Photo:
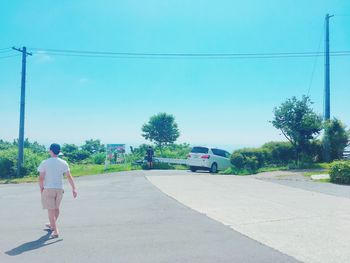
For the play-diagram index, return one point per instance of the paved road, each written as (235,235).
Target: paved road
(119,218)
(308,221)
(297,180)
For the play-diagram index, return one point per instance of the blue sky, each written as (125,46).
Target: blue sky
(215,102)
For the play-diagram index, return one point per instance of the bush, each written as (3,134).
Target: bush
(177,151)
(274,154)
(8,162)
(336,136)
(340,172)
(250,159)
(279,153)
(159,166)
(98,158)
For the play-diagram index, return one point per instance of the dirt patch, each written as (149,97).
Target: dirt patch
(291,175)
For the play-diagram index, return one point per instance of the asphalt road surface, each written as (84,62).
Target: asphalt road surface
(283,210)
(123,218)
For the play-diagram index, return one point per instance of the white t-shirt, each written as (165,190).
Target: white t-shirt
(54,169)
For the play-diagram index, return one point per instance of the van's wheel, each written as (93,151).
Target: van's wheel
(193,169)
(214,168)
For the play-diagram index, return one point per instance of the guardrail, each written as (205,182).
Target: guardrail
(346,154)
(171,160)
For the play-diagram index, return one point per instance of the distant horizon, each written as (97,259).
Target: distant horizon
(228,147)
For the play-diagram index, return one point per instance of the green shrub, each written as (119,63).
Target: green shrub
(336,136)
(6,168)
(279,153)
(237,159)
(250,159)
(98,158)
(32,161)
(8,162)
(177,151)
(340,172)
(159,166)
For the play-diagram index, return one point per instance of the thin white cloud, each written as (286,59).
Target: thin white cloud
(43,57)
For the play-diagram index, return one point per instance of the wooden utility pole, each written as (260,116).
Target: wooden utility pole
(327,107)
(22,109)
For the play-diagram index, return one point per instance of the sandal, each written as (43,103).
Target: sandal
(49,227)
(54,236)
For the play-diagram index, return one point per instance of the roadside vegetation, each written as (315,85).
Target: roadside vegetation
(303,150)
(294,118)
(87,159)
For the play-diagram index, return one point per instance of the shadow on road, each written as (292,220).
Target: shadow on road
(40,242)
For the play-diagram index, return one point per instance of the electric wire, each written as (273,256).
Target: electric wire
(9,56)
(5,51)
(315,62)
(142,54)
(120,55)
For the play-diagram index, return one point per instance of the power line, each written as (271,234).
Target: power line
(68,51)
(315,61)
(5,51)
(9,56)
(137,55)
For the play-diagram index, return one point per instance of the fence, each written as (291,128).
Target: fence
(171,160)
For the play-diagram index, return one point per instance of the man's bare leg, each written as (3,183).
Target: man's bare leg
(52,219)
(57,213)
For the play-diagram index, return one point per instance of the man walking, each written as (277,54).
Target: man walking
(149,157)
(51,185)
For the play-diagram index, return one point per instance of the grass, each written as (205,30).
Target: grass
(25,179)
(322,168)
(93,169)
(78,170)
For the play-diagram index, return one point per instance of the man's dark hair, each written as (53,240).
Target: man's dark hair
(55,148)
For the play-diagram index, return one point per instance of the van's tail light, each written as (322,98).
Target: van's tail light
(205,156)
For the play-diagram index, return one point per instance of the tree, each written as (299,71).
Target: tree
(73,153)
(34,146)
(93,146)
(161,129)
(298,123)
(337,138)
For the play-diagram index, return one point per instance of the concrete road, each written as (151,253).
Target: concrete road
(120,218)
(309,221)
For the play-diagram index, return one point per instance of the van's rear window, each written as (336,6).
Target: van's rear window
(199,150)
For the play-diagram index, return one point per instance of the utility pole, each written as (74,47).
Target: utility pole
(22,109)
(327,71)
(327,111)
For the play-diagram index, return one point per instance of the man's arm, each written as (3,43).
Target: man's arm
(41,181)
(72,184)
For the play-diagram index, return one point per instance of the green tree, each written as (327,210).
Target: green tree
(336,136)
(5,145)
(161,129)
(34,146)
(74,154)
(93,146)
(298,123)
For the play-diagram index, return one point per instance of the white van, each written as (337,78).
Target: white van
(212,159)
